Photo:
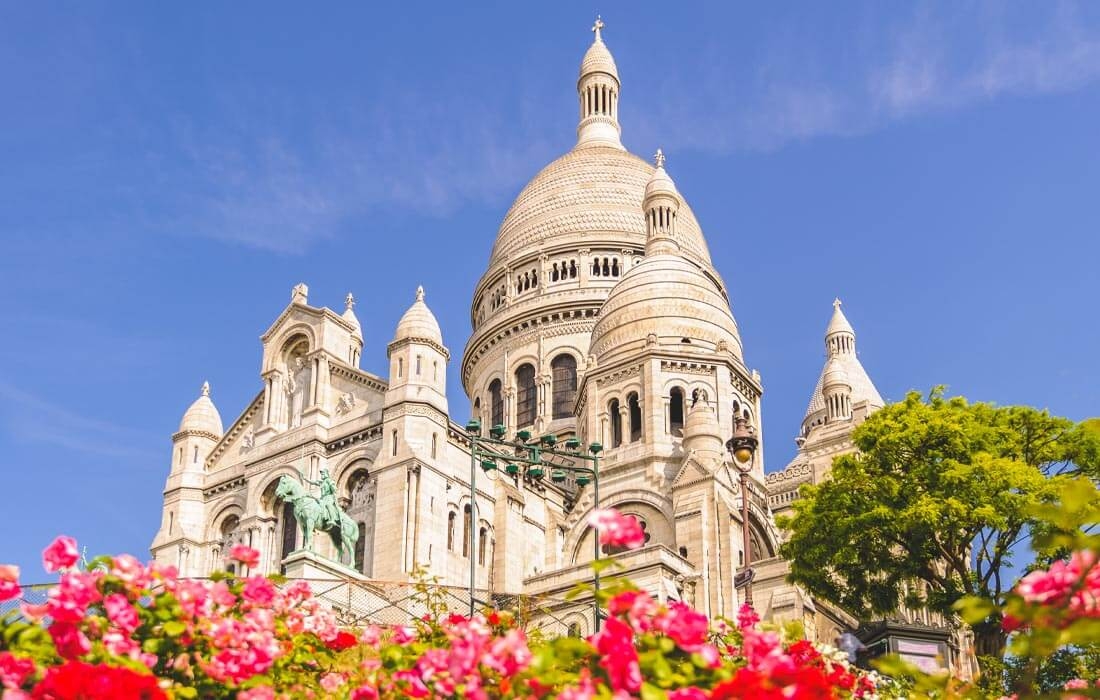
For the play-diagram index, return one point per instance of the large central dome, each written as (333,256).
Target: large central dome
(592,193)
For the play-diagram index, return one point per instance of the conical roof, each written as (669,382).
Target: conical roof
(842,363)
(202,416)
(418,322)
(598,58)
(350,317)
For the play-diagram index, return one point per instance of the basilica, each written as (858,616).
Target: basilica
(600,317)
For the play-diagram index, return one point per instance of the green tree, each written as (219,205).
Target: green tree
(940,491)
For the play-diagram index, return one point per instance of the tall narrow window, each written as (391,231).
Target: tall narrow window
(400,367)
(289,533)
(496,402)
(418,365)
(526,396)
(482,545)
(451,518)
(676,411)
(477,408)
(361,548)
(616,423)
(435,443)
(180,460)
(393,441)
(564,370)
(466,531)
(195,459)
(635,417)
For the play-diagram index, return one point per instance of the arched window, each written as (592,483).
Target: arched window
(496,402)
(452,517)
(526,395)
(574,630)
(614,549)
(477,408)
(616,423)
(564,370)
(290,531)
(635,408)
(361,548)
(400,367)
(229,537)
(393,443)
(466,530)
(435,444)
(676,411)
(482,545)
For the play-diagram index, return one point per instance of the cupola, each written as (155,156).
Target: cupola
(598,92)
(202,416)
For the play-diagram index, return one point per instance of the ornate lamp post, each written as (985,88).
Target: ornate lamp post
(742,448)
(527,454)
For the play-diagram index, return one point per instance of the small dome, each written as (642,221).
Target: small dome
(202,416)
(835,375)
(598,58)
(350,317)
(660,183)
(418,322)
(839,322)
(668,297)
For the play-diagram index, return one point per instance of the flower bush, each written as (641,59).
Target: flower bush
(123,629)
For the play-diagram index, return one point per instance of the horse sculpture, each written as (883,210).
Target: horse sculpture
(310,514)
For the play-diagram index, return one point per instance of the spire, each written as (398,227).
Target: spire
(840,337)
(350,317)
(420,293)
(660,204)
(206,389)
(598,92)
(349,302)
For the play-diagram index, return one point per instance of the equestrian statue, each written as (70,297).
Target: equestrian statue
(320,513)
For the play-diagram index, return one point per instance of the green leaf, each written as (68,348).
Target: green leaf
(174,628)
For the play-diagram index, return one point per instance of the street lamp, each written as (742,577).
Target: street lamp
(742,448)
(528,453)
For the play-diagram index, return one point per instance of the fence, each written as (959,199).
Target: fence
(392,603)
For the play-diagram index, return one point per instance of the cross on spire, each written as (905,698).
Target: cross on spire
(349,301)
(597,27)
(420,293)
(659,158)
(836,303)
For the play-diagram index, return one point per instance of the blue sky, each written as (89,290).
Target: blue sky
(170,172)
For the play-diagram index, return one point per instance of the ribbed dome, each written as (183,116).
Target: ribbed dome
(670,297)
(202,416)
(598,59)
(587,196)
(418,322)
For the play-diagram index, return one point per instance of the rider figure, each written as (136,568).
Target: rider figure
(330,511)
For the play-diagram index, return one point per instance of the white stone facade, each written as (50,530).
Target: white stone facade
(600,316)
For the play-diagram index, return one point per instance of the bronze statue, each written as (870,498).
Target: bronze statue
(320,513)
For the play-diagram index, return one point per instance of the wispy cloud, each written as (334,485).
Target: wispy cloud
(31,418)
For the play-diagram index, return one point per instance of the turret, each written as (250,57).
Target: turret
(837,391)
(598,92)
(356,347)
(661,204)
(418,358)
(200,429)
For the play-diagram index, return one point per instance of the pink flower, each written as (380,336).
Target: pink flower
(260,692)
(61,553)
(68,601)
(616,529)
(259,591)
(618,655)
(331,682)
(9,582)
(747,617)
(687,694)
(245,555)
(685,626)
(121,613)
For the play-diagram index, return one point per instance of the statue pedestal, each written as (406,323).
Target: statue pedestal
(304,564)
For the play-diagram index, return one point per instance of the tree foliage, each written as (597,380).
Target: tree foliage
(941,493)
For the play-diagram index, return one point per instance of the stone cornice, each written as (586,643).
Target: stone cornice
(442,350)
(321,312)
(367,434)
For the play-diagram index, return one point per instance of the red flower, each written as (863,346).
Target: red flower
(618,655)
(9,582)
(14,670)
(76,680)
(342,640)
(69,641)
(61,553)
(245,555)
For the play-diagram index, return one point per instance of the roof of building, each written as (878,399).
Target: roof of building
(418,322)
(202,415)
(863,389)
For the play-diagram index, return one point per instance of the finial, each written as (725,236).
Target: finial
(659,158)
(836,303)
(420,293)
(349,301)
(597,27)
(206,388)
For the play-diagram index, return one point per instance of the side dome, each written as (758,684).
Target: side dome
(669,300)
(418,323)
(587,196)
(202,416)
